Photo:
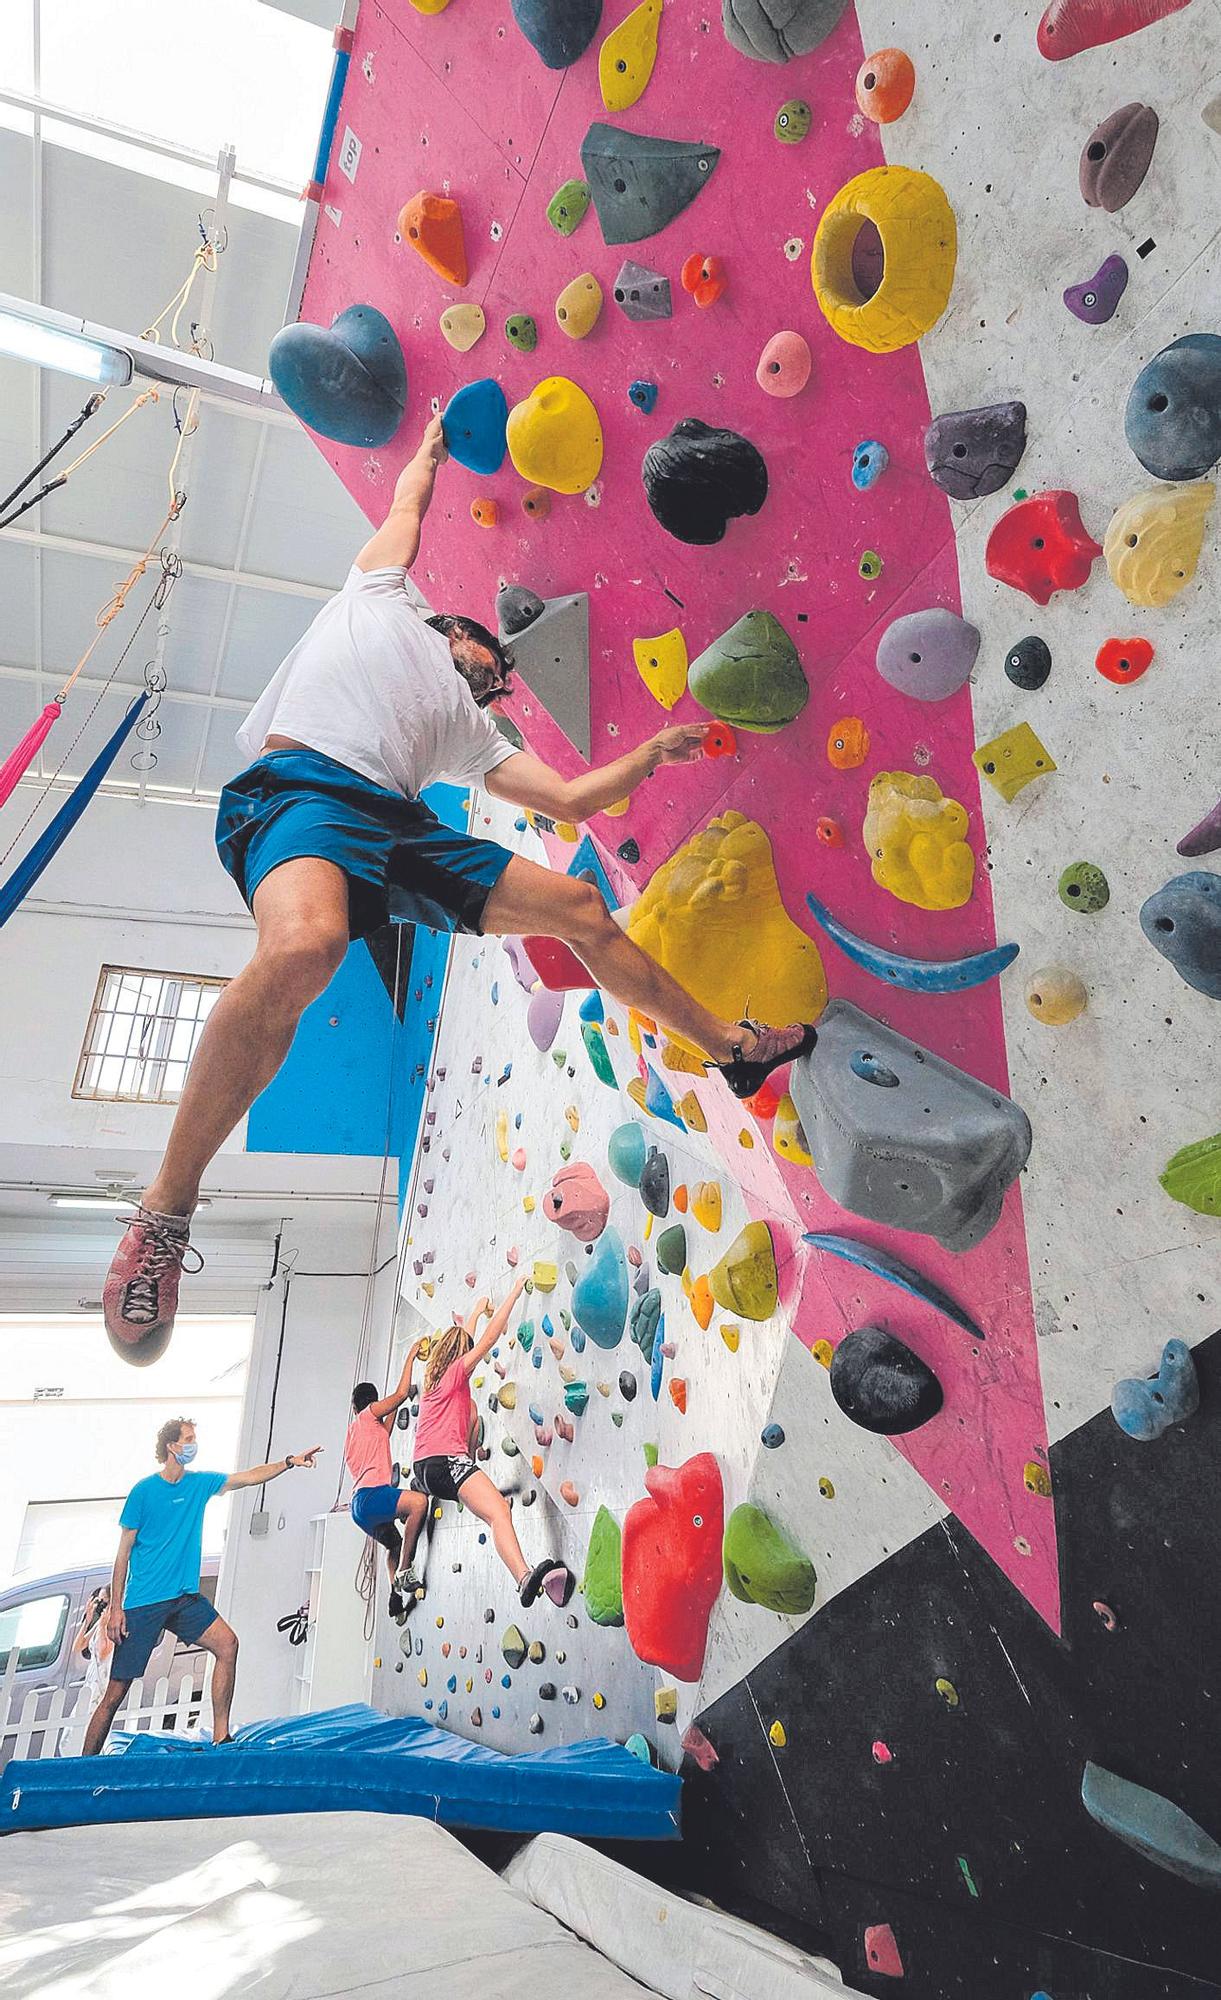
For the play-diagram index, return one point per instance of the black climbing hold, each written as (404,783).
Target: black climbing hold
(1173,418)
(1029,662)
(640,184)
(517,607)
(881,1385)
(776,30)
(627,1386)
(697,479)
(973,452)
(559,30)
(655,1183)
(629,851)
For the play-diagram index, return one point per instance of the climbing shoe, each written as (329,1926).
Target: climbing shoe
(409,1583)
(141,1293)
(773,1046)
(534,1580)
(397,1608)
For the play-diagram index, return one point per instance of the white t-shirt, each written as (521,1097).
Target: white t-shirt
(375,687)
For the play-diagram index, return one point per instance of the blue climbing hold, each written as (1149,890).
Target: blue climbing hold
(638,1747)
(1173,418)
(659,1362)
(548,1325)
(658,1100)
(474,422)
(1183,922)
(1158,1829)
(1144,1409)
(626,1152)
(883,1264)
(644,395)
(452,1683)
(537,1357)
(600,1295)
(442,1710)
(915,975)
(578,1341)
(591,1008)
(771,1435)
(535,1415)
(646,1321)
(506,1680)
(870,1070)
(869,462)
(496,1715)
(347,381)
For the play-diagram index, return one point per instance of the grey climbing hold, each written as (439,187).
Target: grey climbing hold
(698,479)
(641,293)
(655,1183)
(928,654)
(517,607)
(638,183)
(973,452)
(1158,1829)
(1116,156)
(551,653)
(627,1384)
(1173,417)
(881,1384)
(777,30)
(1183,922)
(1144,1409)
(933,1155)
(646,1322)
(559,30)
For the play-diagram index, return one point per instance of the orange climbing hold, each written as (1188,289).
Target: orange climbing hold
(829,831)
(569,1493)
(536,502)
(704,278)
(848,743)
(764,1104)
(680,1198)
(536,1465)
(484,513)
(702,1302)
(885,85)
(678,1394)
(432,225)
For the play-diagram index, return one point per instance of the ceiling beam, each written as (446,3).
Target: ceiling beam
(75,545)
(194,697)
(33,101)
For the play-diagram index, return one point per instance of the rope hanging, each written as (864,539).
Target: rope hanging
(46,847)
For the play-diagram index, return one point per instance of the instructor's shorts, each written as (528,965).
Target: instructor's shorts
(187,1617)
(402,864)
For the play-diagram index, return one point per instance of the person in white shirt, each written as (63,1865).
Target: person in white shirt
(326,836)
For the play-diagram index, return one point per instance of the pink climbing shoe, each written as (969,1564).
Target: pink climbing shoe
(550,1576)
(141,1294)
(773,1046)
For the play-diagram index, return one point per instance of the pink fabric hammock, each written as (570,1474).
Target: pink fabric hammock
(18,761)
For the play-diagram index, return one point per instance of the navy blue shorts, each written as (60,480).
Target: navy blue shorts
(374,1507)
(402,864)
(188,1617)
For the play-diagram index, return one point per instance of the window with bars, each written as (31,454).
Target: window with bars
(142,1033)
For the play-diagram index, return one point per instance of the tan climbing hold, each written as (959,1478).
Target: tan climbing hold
(573,1117)
(502,1136)
(1056,996)
(712,917)
(506,1395)
(569,1493)
(916,841)
(1153,543)
(675,1056)
(579,305)
(462,326)
(665,1703)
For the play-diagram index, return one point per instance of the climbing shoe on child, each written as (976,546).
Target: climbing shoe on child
(140,1297)
(550,1576)
(409,1583)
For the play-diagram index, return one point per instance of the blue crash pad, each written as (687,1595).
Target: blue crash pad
(348,1760)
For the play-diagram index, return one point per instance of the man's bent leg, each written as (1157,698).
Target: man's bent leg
(103,1715)
(221,1641)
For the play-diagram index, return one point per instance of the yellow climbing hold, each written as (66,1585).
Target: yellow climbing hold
(788,1138)
(430,6)
(1013,760)
(573,1117)
(706,1204)
(732,1336)
(665,1704)
(712,916)
(675,1056)
(919,246)
(777,1736)
(555,438)
(627,56)
(917,844)
(633,1031)
(827,1488)
(823,1353)
(636,1090)
(662,666)
(528,1203)
(462,326)
(502,1134)
(599,1698)
(948,1692)
(746,1139)
(423,1677)
(745,1279)
(544,1276)
(691,1111)
(1037,1479)
(578,306)
(428,1287)
(618,809)
(506,1395)
(701,1298)
(1154,540)
(648,1227)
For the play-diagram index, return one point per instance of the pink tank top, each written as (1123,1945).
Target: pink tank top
(444,1424)
(366,1450)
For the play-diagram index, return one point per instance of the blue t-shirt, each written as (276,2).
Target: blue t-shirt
(167,1516)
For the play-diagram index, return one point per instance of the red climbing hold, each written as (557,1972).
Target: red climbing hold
(1071,26)
(704,278)
(672,1564)
(559,968)
(881,1951)
(720,741)
(1041,546)
(764,1104)
(1123,660)
(829,831)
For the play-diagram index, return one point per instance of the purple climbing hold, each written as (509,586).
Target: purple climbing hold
(1205,836)
(1096,299)
(973,452)
(1116,156)
(928,654)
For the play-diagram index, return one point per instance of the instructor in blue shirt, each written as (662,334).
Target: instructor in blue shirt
(155,1587)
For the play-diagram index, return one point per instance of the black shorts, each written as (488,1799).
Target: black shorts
(402,864)
(441,1477)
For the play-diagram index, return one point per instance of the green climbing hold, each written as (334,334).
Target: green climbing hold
(672,1250)
(568,206)
(521,332)
(603,1581)
(763,1567)
(1193,1176)
(513,1646)
(617,1419)
(525,1335)
(751,677)
(626,1151)
(650,1455)
(1083,886)
(598,1053)
(792,122)
(576,1397)
(745,1279)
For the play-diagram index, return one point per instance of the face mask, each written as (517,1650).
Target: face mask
(184,1453)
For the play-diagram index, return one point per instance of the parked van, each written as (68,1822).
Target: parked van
(41,1617)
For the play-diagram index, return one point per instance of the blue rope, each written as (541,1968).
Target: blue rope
(14,892)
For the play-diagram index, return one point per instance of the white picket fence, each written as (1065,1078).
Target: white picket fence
(50,1722)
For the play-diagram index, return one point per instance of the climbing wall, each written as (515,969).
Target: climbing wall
(1012,771)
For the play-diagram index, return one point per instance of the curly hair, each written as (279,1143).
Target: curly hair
(446,1348)
(169,1434)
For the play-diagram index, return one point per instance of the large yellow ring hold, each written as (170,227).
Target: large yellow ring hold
(919,244)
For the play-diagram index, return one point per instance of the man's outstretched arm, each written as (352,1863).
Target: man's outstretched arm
(398,539)
(526,781)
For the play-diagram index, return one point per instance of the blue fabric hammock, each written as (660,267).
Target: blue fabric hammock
(14,892)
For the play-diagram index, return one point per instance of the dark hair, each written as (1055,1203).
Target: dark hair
(169,1434)
(363,1394)
(484,683)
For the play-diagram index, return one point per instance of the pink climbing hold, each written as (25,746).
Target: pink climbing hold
(881,1951)
(578,1202)
(672,1564)
(519,1159)
(1069,27)
(569,1493)
(784,365)
(698,1748)
(882,1753)
(471,1279)
(511,1257)
(564,1429)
